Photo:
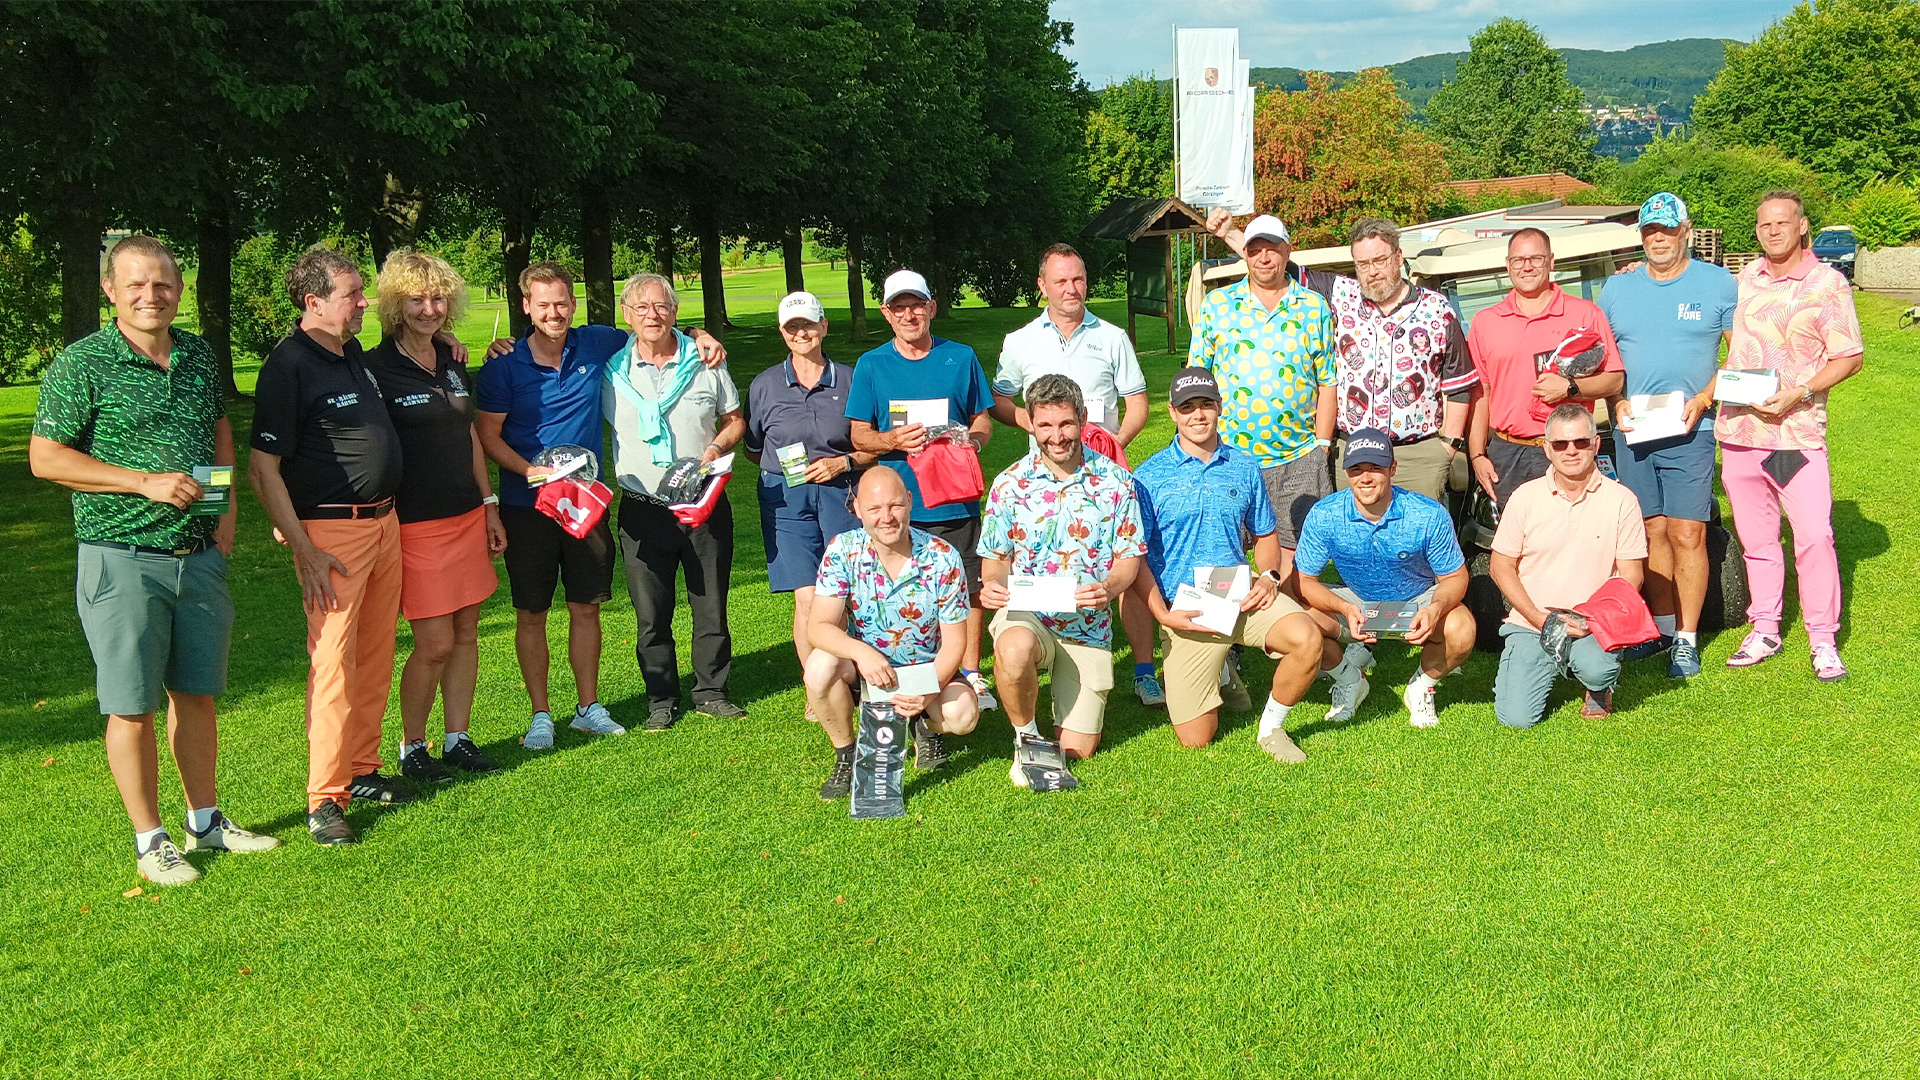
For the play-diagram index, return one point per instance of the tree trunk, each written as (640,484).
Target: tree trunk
(397,212)
(596,252)
(213,289)
(82,221)
(790,253)
(856,286)
(663,252)
(516,251)
(713,291)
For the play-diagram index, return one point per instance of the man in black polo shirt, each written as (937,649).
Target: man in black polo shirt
(326,465)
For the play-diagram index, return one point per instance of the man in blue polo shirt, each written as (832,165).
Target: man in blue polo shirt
(1391,546)
(1196,497)
(540,392)
(898,386)
(1669,319)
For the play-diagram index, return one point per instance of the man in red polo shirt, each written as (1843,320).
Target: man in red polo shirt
(1513,343)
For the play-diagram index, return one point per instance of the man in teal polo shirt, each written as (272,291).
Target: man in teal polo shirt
(126,416)
(1268,342)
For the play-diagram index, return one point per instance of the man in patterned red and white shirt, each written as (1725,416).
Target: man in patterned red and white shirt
(1796,319)
(1401,362)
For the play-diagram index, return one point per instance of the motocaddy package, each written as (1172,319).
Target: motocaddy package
(572,493)
(1579,354)
(692,488)
(879,762)
(947,468)
(1039,766)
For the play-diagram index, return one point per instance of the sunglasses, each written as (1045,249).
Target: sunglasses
(1559,445)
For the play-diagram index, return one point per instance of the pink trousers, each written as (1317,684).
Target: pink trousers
(1808,500)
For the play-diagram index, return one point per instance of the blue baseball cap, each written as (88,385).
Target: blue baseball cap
(1368,446)
(1664,208)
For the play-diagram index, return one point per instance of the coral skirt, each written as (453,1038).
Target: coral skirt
(444,565)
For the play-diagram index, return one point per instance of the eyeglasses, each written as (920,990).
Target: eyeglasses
(1529,260)
(1560,445)
(1380,263)
(910,307)
(656,309)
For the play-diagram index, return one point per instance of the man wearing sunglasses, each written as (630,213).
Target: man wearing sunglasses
(895,387)
(1561,537)
(1514,344)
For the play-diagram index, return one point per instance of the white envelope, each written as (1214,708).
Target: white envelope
(1656,416)
(1050,593)
(916,680)
(906,412)
(1218,615)
(1745,387)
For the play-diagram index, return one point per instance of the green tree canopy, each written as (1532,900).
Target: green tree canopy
(1836,85)
(1511,110)
(1722,185)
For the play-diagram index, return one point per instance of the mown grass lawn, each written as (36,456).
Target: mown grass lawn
(1720,881)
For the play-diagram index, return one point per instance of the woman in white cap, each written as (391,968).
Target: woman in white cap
(797,430)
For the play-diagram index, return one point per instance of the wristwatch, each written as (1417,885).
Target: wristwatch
(1273,576)
(1459,445)
(1573,387)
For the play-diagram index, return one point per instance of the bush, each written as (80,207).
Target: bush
(29,305)
(1722,185)
(1886,213)
(262,314)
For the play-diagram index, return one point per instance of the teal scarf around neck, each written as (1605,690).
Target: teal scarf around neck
(652,415)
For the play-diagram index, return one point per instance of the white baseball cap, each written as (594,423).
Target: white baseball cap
(904,281)
(801,305)
(1266,227)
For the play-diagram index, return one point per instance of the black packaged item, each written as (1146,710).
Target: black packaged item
(1043,764)
(879,762)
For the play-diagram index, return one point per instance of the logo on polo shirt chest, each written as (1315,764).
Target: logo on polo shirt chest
(343,401)
(408,401)
(1690,312)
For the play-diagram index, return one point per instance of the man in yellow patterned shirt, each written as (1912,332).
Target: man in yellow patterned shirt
(1268,342)
(1796,320)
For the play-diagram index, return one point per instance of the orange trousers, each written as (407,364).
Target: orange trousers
(352,654)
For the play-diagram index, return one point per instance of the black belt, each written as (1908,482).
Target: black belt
(1400,442)
(181,552)
(349,513)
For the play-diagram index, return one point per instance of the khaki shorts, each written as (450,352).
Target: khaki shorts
(1082,674)
(1194,661)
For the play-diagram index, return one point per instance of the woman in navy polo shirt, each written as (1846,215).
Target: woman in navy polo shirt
(449,517)
(797,430)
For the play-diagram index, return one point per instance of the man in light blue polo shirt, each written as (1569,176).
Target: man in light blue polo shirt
(1669,319)
(1391,546)
(1196,497)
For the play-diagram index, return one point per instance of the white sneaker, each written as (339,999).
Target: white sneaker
(164,865)
(224,835)
(980,690)
(1148,690)
(596,720)
(539,732)
(1420,706)
(1347,695)
(1281,745)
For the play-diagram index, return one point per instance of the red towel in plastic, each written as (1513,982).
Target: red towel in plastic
(695,514)
(1618,616)
(1105,443)
(576,506)
(947,472)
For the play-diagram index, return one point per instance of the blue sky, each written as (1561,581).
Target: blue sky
(1117,38)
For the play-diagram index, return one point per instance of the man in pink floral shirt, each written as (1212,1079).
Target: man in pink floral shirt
(1058,513)
(1795,319)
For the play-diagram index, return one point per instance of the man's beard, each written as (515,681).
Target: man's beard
(1382,293)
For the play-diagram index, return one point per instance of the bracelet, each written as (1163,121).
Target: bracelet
(491,500)
(1806,392)
(849,458)
(1322,444)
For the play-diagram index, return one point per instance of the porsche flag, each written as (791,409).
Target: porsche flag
(1209,88)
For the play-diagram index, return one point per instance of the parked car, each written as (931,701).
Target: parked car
(1835,246)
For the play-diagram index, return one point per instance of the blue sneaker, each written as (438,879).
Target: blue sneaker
(1147,689)
(539,732)
(1685,661)
(1646,649)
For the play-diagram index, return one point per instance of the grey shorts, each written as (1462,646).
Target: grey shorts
(155,623)
(1293,488)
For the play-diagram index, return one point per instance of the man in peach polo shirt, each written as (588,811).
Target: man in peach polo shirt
(1512,344)
(1795,318)
(1561,537)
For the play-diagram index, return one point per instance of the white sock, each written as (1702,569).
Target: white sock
(407,747)
(453,740)
(1273,716)
(1031,729)
(1666,624)
(199,821)
(142,841)
(1691,637)
(1423,681)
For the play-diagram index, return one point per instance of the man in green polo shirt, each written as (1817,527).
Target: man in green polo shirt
(126,418)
